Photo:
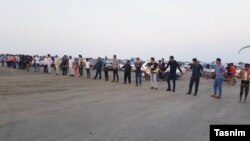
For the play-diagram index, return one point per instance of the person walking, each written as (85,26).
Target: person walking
(115,66)
(87,66)
(98,67)
(195,78)
(127,72)
(245,77)
(218,75)
(57,64)
(138,72)
(172,74)
(153,66)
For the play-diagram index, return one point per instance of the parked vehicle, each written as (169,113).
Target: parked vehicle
(146,71)
(108,64)
(208,69)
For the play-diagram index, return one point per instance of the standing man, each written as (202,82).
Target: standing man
(138,66)
(71,69)
(127,72)
(106,72)
(50,62)
(172,74)
(115,65)
(98,67)
(245,77)
(46,64)
(64,65)
(219,72)
(36,63)
(87,66)
(81,64)
(57,65)
(3,58)
(153,66)
(17,61)
(195,78)
(28,62)
(233,70)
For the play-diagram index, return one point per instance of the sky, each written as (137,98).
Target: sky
(205,29)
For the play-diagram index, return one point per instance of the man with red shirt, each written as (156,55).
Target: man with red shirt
(233,70)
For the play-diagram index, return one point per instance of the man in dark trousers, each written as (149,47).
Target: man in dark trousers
(64,65)
(106,72)
(172,74)
(98,67)
(115,66)
(138,71)
(127,72)
(195,78)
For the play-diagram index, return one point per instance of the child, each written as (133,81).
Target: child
(245,77)
(127,72)
(106,73)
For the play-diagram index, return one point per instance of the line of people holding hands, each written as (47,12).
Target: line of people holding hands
(75,66)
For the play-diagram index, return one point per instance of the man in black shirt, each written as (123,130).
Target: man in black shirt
(172,74)
(98,67)
(127,72)
(64,65)
(138,66)
(195,78)
(154,68)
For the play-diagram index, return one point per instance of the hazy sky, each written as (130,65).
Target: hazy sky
(205,29)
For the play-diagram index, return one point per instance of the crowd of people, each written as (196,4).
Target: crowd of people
(76,66)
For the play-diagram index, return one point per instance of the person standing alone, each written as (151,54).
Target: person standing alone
(195,78)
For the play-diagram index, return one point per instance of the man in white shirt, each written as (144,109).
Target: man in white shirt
(81,64)
(71,62)
(87,66)
(50,62)
(46,64)
(36,63)
(57,65)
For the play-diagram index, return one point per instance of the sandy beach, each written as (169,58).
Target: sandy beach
(49,107)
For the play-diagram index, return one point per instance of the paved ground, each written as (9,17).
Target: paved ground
(39,107)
